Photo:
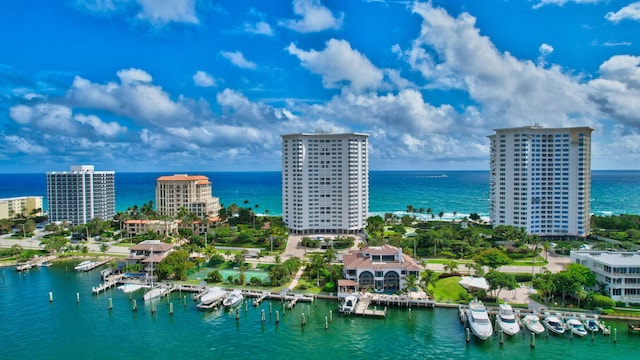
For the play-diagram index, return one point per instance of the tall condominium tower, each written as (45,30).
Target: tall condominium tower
(81,194)
(192,192)
(540,179)
(325,182)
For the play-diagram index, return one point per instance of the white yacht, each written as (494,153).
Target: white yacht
(553,324)
(591,324)
(478,319)
(575,326)
(155,292)
(349,304)
(507,320)
(533,324)
(234,298)
(213,295)
(83,266)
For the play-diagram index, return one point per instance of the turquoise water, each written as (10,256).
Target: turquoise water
(32,328)
(464,192)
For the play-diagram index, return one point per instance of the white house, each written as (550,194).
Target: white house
(620,271)
(381,268)
(148,253)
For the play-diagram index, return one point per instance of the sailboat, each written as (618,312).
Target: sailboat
(154,292)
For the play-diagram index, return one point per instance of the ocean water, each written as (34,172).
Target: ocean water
(33,328)
(463,192)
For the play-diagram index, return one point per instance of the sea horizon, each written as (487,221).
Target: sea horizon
(390,191)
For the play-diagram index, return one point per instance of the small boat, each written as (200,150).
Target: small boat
(591,324)
(575,326)
(84,266)
(507,320)
(24,266)
(478,319)
(129,288)
(234,298)
(213,295)
(553,324)
(44,263)
(155,292)
(349,304)
(533,324)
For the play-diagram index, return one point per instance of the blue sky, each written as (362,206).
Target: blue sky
(197,85)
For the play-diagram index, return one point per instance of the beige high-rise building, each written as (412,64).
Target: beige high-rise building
(20,206)
(540,179)
(192,192)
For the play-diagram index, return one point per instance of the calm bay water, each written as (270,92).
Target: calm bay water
(32,328)
(465,192)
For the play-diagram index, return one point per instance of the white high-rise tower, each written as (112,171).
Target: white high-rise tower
(540,179)
(325,182)
(81,194)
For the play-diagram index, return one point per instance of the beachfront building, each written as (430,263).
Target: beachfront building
(192,192)
(540,180)
(148,253)
(163,228)
(619,271)
(325,182)
(81,194)
(381,268)
(22,206)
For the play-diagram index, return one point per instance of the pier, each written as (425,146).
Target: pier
(398,300)
(362,308)
(96,264)
(35,262)
(109,282)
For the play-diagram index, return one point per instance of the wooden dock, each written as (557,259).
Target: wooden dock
(398,300)
(109,282)
(33,263)
(362,308)
(96,264)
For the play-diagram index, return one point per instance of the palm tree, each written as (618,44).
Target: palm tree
(450,266)
(427,278)
(441,214)
(410,282)
(430,212)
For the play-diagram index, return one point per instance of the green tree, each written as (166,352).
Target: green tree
(175,265)
(545,285)
(410,283)
(427,278)
(104,248)
(493,258)
(54,244)
(450,266)
(214,276)
(498,280)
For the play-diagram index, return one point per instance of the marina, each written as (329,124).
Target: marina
(415,332)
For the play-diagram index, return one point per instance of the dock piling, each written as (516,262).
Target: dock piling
(185,300)
(246,306)
(237,315)
(303,322)
(171,309)
(270,308)
(50,296)
(501,336)
(153,309)
(262,316)
(533,340)
(331,316)
(467,334)
(134,305)
(110,303)
(78,298)
(326,323)
(615,335)
(277,317)
(409,314)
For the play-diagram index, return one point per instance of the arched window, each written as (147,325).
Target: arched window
(391,281)
(365,281)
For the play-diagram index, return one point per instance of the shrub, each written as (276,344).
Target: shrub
(216,260)
(214,276)
(255,281)
(602,301)
(329,287)
(523,277)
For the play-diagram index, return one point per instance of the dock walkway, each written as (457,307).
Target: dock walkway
(109,282)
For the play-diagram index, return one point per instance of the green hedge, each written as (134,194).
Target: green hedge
(523,277)
(602,301)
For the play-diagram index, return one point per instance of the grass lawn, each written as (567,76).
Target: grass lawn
(448,289)
(123,244)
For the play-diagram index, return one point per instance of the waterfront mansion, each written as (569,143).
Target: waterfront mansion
(381,268)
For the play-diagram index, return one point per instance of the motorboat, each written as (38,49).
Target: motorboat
(507,320)
(553,324)
(44,263)
(575,326)
(591,324)
(234,298)
(478,319)
(349,304)
(533,324)
(23,267)
(213,295)
(155,292)
(84,266)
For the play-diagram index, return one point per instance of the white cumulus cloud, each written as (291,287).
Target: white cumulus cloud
(630,12)
(238,59)
(339,63)
(157,13)
(202,79)
(314,17)
(259,28)
(102,128)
